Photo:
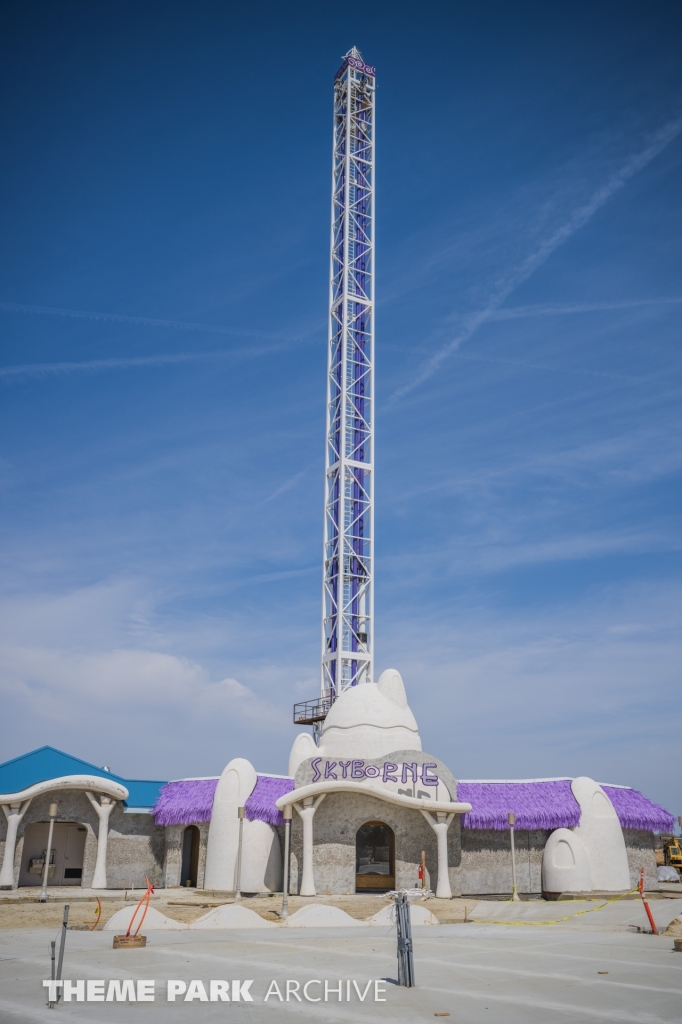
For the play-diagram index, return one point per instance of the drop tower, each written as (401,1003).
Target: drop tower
(348,552)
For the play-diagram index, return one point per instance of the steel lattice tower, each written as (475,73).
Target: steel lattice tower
(348,593)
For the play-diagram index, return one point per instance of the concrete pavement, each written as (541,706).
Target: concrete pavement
(474,972)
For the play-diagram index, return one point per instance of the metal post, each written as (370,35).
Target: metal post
(405,952)
(42,897)
(511,818)
(287,847)
(53,944)
(60,962)
(241,811)
(423,869)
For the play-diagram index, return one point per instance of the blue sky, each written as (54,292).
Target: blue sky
(165,217)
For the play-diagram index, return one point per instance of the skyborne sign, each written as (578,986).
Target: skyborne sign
(388,771)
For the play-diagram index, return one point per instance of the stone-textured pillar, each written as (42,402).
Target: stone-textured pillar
(440,827)
(103,810)
(307,813)
(14,813)
(172,862)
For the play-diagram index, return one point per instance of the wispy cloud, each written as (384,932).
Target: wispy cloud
(62,655)
(564,309)
(622,460)
(270,577)
(143,321)
(9,373)
(524,364)
(571,680)
(288,484)
(516,276)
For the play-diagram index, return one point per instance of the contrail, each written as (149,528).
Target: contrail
(96,365)
(286,486)
(551,369)
(518,275)
(141,320)
(520,312)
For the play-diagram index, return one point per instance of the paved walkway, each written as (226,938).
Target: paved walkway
(475,972)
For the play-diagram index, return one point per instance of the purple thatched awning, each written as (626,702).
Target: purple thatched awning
(185,802)
(550,804)
(260,806)
(536,804)
(188,801)
(636,811)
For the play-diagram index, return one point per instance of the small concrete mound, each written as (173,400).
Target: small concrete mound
(319,916)
(418,915)
(232,915)
(153,921)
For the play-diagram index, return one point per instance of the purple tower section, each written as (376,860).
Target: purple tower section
(347,616)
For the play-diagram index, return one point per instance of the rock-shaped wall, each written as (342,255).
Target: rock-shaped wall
(261,853)
(592,856)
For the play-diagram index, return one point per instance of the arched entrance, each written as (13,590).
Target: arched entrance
(66,855)
(374,857)
(190,856)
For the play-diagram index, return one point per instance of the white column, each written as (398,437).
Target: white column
(440,827)
(307,813)
(14,813)
(103,810)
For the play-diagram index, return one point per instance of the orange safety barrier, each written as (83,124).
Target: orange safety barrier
(146,900)
(646,905)
(98,914)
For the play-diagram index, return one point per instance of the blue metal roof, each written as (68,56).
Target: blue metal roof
(49,763)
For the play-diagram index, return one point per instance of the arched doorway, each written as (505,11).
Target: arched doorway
(190,856)
(65,857)
(374,857)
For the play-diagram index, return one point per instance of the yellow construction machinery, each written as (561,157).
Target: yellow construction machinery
(672,851)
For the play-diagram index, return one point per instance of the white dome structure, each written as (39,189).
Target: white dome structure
(370,720)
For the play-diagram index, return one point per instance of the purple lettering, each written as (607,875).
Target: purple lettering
(329,772)
(344,766)
(412,768)
(388,768)
(357,771)
(313,764)
(427,779)
(372,772)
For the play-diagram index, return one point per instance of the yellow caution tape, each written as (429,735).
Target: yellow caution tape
(557,920)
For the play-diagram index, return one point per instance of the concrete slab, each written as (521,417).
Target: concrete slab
(476,973)
(622,915)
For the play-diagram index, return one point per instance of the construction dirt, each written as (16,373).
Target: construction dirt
(183,905)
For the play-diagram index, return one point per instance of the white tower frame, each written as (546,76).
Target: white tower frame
(348,591)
